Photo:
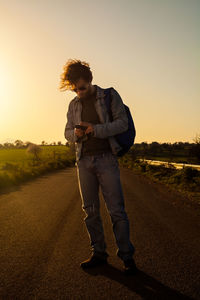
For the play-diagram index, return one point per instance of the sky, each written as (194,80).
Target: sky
(148,50)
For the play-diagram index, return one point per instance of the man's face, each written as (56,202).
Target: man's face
(82,88)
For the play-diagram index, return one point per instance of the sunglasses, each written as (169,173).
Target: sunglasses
(82,88)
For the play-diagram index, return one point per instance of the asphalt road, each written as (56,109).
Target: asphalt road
(43,239)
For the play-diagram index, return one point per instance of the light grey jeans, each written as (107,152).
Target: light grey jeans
(103,170)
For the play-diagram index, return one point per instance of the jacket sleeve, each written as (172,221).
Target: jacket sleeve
(69,132)
(120,119)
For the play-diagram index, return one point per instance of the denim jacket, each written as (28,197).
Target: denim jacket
(105,129)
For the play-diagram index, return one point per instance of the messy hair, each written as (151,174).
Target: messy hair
(73,70)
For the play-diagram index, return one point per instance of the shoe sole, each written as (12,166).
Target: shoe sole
(131,271)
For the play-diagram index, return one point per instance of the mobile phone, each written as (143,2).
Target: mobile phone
(81,127)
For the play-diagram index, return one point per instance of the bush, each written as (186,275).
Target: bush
(189,173)
(175,178)
(10,167)
(143,167)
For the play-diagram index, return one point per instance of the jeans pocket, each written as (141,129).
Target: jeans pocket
(81,161)
(112,158)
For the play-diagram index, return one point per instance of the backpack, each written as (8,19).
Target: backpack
(126,138)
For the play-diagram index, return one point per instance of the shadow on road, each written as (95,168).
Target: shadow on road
(142,284)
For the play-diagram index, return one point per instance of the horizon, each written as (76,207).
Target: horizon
(12,141)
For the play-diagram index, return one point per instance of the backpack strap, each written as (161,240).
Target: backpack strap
(108,100)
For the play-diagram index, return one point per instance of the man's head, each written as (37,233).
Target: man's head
(77,77)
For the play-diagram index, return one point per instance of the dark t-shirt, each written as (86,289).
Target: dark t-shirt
(93,145)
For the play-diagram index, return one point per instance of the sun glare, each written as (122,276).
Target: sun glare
(5,94)
(3,82)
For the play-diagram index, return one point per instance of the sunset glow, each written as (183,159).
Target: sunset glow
(146,50)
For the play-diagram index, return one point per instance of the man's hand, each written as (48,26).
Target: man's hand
(89,127)
(79,132)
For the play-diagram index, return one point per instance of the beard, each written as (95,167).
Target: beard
(86,95)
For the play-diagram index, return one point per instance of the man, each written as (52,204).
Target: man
(96,161)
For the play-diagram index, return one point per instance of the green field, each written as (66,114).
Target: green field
(17,165)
